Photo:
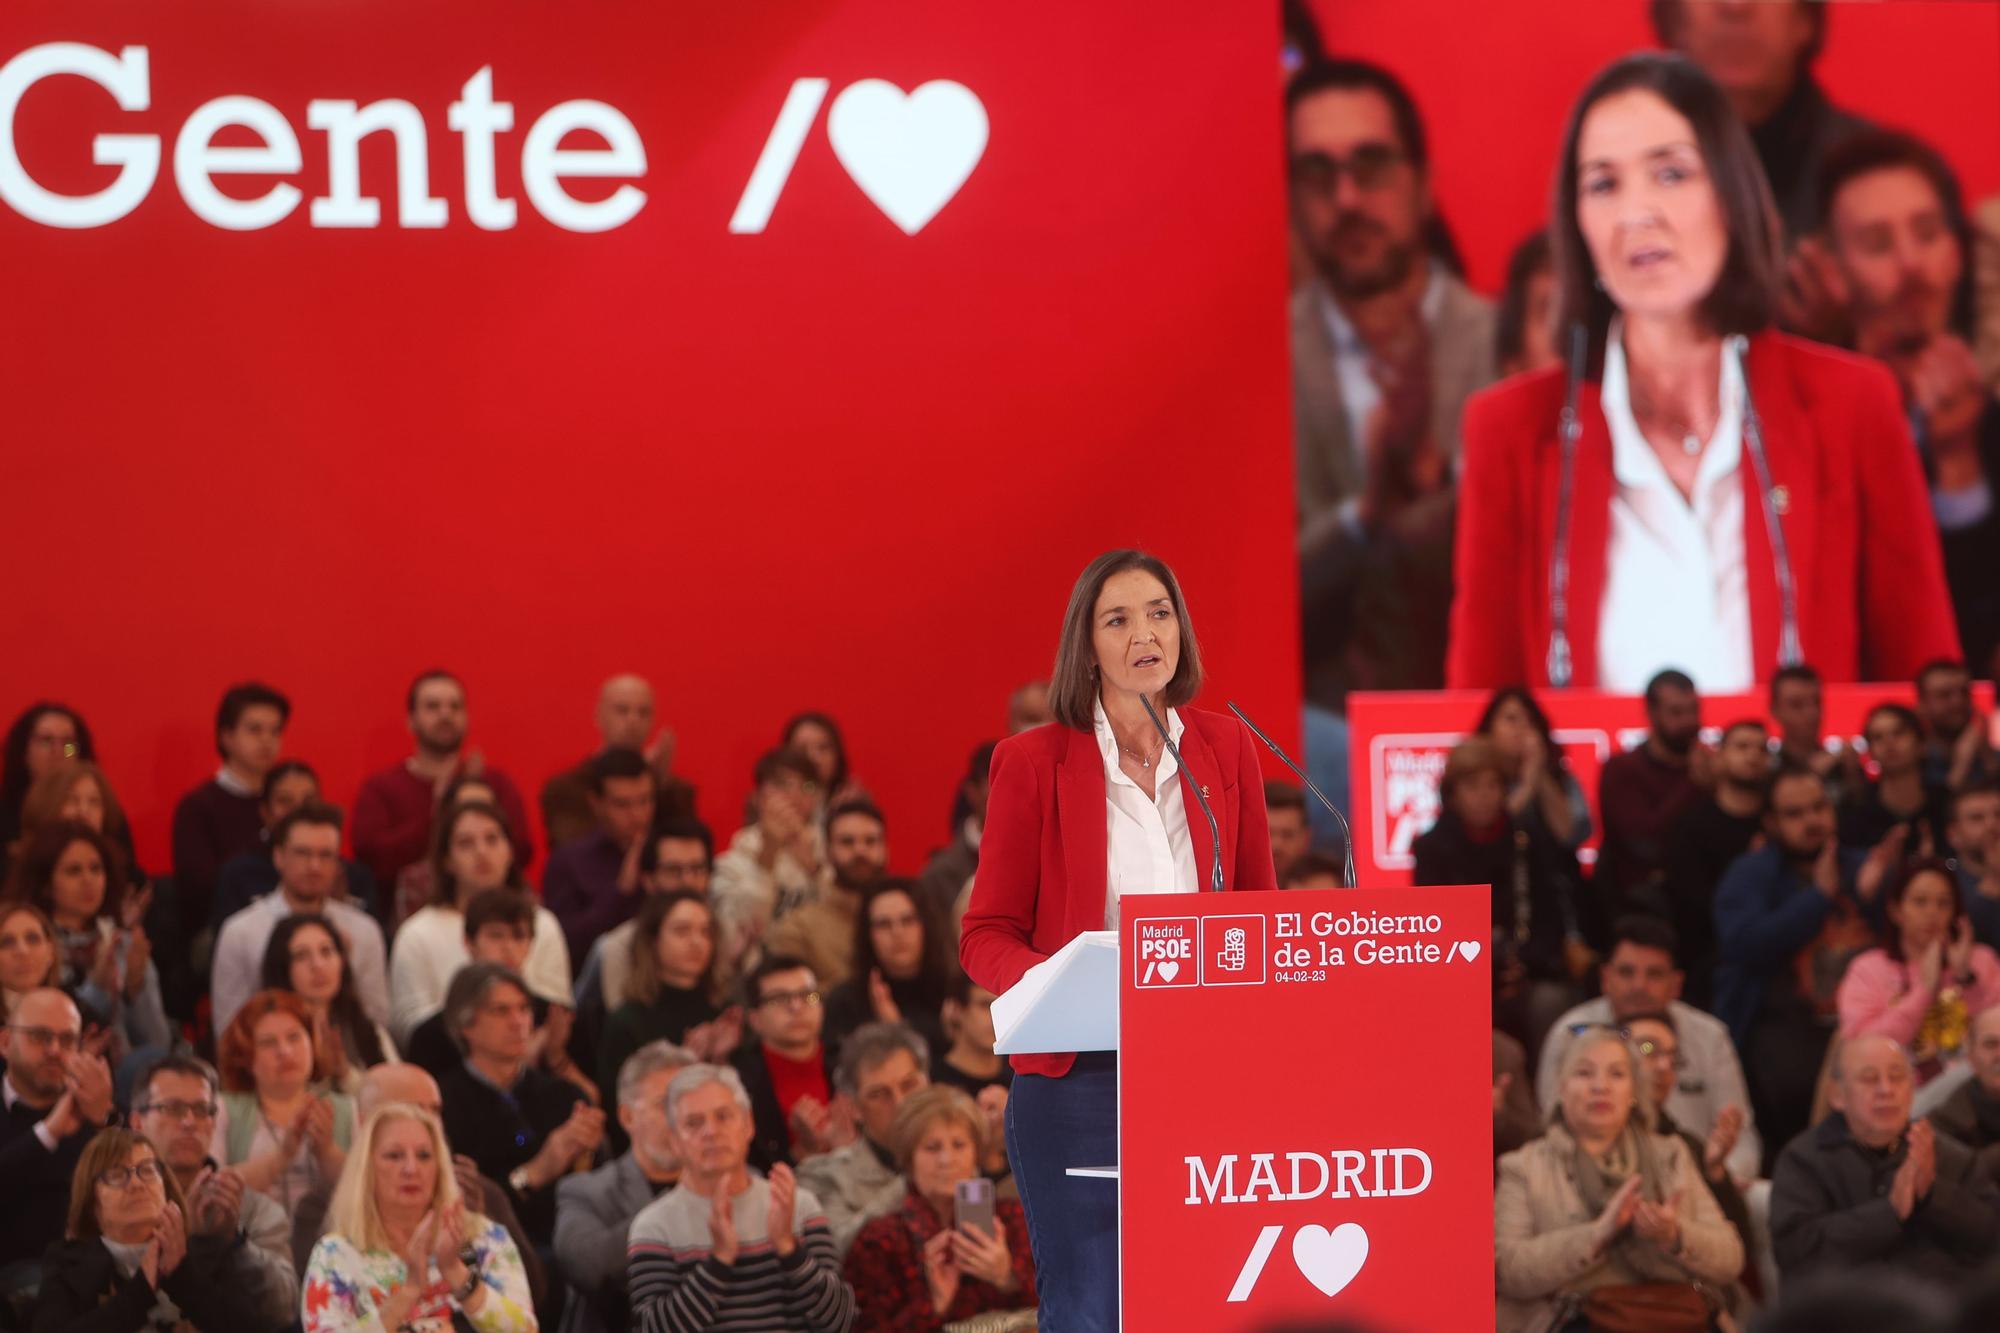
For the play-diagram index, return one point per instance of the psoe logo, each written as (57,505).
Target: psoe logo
(1233,951)
(1165,956)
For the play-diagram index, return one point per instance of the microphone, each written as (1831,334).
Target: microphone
(1214,833)
(1346,833)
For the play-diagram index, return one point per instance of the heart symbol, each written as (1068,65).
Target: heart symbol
(1330,1259)
(909,153)
(1470,948)
(1169,970)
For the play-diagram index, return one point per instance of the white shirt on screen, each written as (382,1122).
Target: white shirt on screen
(1675,589)
(1148,849)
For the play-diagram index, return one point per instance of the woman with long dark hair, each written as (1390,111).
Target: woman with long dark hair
(671,968)
(44,735)
(1541,792)
(308,957)
(901,971)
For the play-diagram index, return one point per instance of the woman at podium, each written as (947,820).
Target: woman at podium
(1081,811)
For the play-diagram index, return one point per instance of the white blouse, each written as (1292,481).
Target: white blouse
(1147,846)
(1675,589)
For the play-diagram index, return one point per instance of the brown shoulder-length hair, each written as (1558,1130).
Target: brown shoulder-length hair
(33,877)
(1073,684)
(110,1148)
(236,1047)
(1745,296)
(444,887)
(50,792)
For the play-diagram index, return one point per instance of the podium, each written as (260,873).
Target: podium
(1305,1119)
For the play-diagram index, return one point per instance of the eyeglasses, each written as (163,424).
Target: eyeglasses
(1370,167)
(180,1110)
(118,1177)
(62,1041)
(791,999)
(1649,1049)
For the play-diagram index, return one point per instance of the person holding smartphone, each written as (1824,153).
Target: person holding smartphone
(952,1250)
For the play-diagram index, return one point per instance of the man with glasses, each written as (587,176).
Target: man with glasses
(680,854)
(56,1096)
(787,1070)
(175,1107)
(881,1064)
(1653,1036)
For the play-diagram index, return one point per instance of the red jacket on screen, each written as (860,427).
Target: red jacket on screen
(1872,603)
(1041,879)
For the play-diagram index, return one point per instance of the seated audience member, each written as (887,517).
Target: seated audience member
(592,884)
(774,863)
(308,957)
(402,1250)
(306,848)
(1601,1201)
(1715,829)
(594,1212)
(788,1070)
(1515,1116)
(672,987)
(175,1104)
(970,1065)
(1642,791)
(416,886)
(1958,748)
(818,738)
(282,1126)
(1291,832)
(134,1259)
(624,721)
(1708,1098)
(1922,986)
(916,1268)
(1866,1187)
(522,1126)
(1542,797)
(679,858)
(727,1250)
(245,878)
(1654,1038)
(79,790)
(1974,834)
(218,821)
(57,1095)
(75,876)
(901,972)
(472,856)
(1538,943)
(1028,707)
(1524,328)
(1789,917)
(385,1085)
(28,959)
(821,932)
(951,867)
(394,808)
(1899,799)
(1795,699)
(880,1066)
(1972,1113)
(1314,870)
(43,737)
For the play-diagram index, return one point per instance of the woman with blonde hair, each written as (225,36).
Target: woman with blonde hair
(401,1252)
(1603,1219)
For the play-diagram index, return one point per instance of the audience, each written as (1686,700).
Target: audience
(1291,831)
(58,1094)
(594,1212)
(880,1066)
(403,1251)
(821,932)
(672,987)
(307,957)
(1314,870)
(1028,707)
(951,867)
(1868,1187)
(901,972)
(44,736)
(1642,791)
(1542,796)
(290,784)
(78,790)
(1524,326)
(1974,834)
(727,1250)
(394,808)
(592,883)
(28,959)
(1601,1201)
(1796,706)
(1958,747)
(624,718)
(1708,835)
(136,1258)
(680,856)
(282,1126)
(175,1105)
(1898,803)
(1516,1119)
(788,1071)
(1972,1113)
(773,863)
(919,1267)
(818,738)
(968,1062)
(306,848)
(219,820)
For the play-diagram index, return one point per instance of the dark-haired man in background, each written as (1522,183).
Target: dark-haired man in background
(219,820)
(1643,790)
(1711,832)
(592,884)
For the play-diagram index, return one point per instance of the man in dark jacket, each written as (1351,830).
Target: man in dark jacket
(1972,1114)
(1866,1187)
(56,1096)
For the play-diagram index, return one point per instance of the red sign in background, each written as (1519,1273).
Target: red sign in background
(1343,1035)
(1399,742)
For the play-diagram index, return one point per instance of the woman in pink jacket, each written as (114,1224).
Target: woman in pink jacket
(1925,985)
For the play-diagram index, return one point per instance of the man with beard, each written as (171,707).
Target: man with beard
(1974,834)
(1957,751)
(1797,706)
(57,1095)
(1642,791)
(393,810)
(1387,344)
(594,883)
(625,721)
(1895,225)
(821,932)
(1713,831)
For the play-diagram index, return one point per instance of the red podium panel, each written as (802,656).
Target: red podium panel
(1305,1109)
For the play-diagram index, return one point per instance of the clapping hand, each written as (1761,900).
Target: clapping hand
(1886,856)
(1659,1223)
(784,1199)
(880,1000)
(1617,1215)
(1722,1140)
(722,1241)
(1958,955)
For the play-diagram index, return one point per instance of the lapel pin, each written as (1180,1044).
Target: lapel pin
(1781,500)
(1204,793)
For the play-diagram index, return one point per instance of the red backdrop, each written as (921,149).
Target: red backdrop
(831,465)
(1495,82)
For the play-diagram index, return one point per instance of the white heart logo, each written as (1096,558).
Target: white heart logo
(1470,948)
(908,152)
(1169,970)
(1330,1259)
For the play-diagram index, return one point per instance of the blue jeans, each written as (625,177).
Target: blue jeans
(1052,1125)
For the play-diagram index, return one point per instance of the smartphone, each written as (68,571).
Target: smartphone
(972,1204)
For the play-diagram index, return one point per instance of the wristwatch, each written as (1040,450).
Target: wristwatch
(520,1181)
(470,1258)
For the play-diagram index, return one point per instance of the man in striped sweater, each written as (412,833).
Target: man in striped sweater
(726,1249)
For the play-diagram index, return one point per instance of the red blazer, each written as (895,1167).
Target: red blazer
(1872,602)
(1041,878)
